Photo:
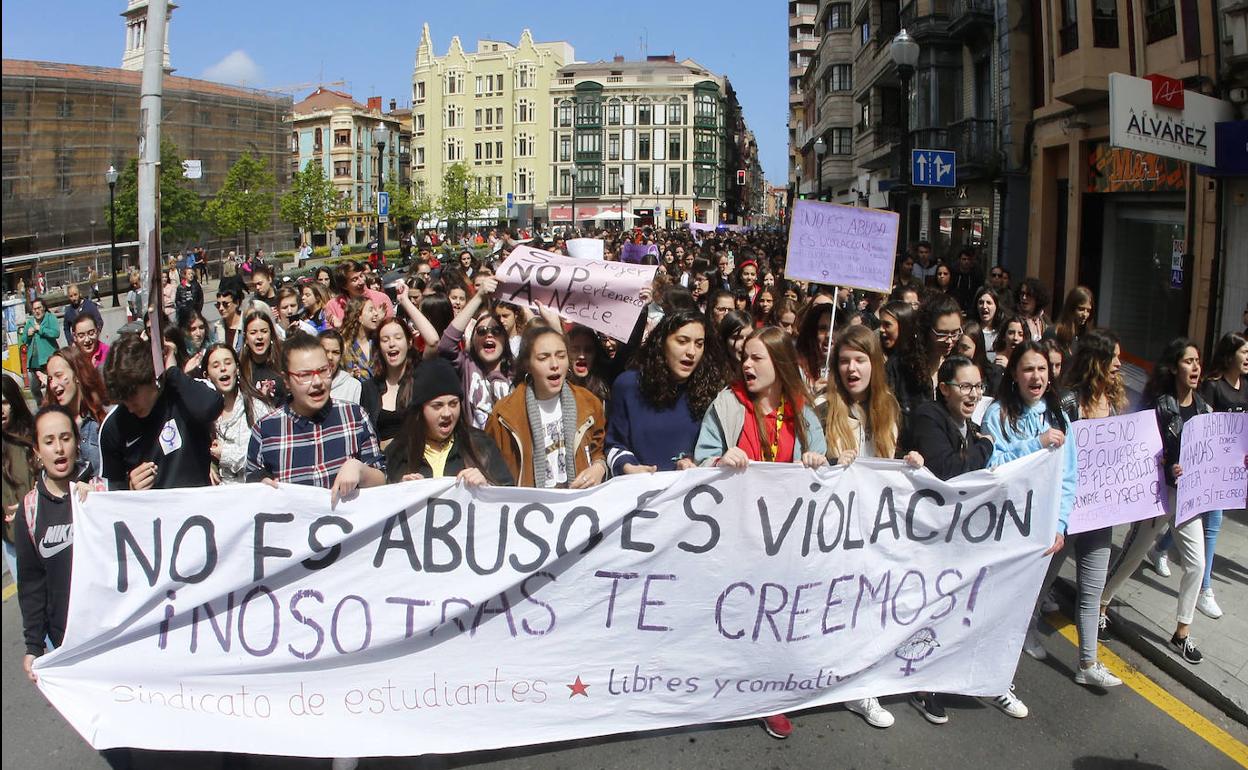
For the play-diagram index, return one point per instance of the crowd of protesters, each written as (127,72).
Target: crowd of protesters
(351,377)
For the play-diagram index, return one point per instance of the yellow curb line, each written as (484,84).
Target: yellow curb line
(1153,693)
(9,591)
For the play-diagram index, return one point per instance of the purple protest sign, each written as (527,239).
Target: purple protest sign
(605,296)
(842,245)
(634,253)
(1212,457)
(1120,478)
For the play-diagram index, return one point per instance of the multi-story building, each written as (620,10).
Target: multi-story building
(65,124)
(1232,20)
(828,110)
(490,109)
(136,34)
(803,42)
(332,129)
(960,96)
(1137,227)
(641,136)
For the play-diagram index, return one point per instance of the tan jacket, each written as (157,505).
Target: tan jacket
(508,425)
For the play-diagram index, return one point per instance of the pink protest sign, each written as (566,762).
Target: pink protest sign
(842,245)
(1118,464)
(1212,458)
(605,296)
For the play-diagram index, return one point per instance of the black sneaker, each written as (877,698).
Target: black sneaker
(929,707)
(1186,648)
(1102,629)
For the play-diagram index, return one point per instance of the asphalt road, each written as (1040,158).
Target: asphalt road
(1069,727)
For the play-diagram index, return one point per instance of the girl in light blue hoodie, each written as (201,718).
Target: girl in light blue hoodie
(1025,418)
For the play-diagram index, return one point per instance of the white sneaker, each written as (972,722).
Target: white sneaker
(1097,676)
(1049,604)
(871,710)
(345,763)
(1208,605)
(1010,704)
(1033,645)
(1160,562)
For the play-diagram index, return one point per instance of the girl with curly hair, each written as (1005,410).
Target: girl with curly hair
(74,383)
(359,329)
(657,407)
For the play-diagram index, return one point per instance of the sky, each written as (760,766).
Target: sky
(372,46)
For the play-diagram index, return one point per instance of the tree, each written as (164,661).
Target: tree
(312,204)
(406,211)
(453,203)
(181,210)
(244,204)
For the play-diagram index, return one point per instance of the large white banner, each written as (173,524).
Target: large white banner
(425,617)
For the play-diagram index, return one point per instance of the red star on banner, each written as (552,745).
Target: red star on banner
(578,687)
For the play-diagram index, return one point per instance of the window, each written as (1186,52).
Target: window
(454,83)
(10,108)
(498,115)
(840,77)
(704,149)
(673,145)
(418,93)
(613,147)
(454,150)
(498,150)
(643,114)
(233,120)
(1159,20)
(676,112)
(673,182)
(64,170)
(704,106)
(613,112)
(420,157)
(205,118)
(589,180)
(489,151)
(614,185)
(837,16)
(1069,33)
(565,182)
(704,182)
(420,124)
(1105,23)
(526,76)
(565,113)
(643,147)
(643,181)
(11,159)
(865,116)
(316,143)
(841,141)
(524,146)
(480,82)
(524,111)
(342,137)
(565,148)
(477,154)
(864,33)
(342,168)
(65,109)
(589,142)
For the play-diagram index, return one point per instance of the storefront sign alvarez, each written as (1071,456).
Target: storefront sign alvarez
(1149,117)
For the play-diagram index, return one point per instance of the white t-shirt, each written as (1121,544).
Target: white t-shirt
(551,410)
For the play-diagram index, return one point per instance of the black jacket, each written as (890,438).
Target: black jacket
(44,558)
(1170,423)
(495,469)
(176,435)
(188,296)
(944,447)
(910,392)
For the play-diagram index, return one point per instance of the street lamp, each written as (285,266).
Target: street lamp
(905,53)
(380,134)
(110,177)
(465,228)
(820,148)
(573,174)
(246,234)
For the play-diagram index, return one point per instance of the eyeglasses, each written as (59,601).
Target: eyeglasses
(489,331)
(226,303)
(997,274)
(967,388)
(306,376)
(946,336)
(88,334)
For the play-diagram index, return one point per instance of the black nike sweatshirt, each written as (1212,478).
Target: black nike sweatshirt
(44,558)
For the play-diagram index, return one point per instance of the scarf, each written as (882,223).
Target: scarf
(567,403)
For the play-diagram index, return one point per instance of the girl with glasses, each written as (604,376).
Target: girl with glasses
(476,344)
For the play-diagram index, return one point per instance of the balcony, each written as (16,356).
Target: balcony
(970,19)
(804,43)
(932,24)
(588,156)
(974,140)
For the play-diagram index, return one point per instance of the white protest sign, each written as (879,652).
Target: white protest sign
(585,248)
(1118,462)
(1213,447)
(426,617)
(605,296)
(842,245)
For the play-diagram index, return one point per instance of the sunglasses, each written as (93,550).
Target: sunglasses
(490,331)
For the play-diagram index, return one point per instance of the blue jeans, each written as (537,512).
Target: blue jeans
(1213,525)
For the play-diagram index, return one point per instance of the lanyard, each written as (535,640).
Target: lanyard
(775,444)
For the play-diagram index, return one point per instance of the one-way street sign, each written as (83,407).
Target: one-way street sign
(934,168)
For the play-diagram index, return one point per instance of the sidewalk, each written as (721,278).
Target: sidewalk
(1143,617)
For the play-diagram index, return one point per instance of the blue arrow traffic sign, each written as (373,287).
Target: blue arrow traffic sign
(934,168)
